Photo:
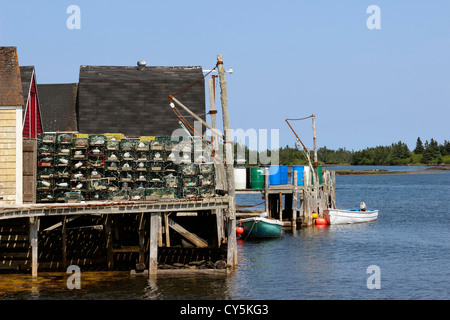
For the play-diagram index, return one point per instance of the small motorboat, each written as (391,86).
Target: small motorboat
(260,227)
(343,216)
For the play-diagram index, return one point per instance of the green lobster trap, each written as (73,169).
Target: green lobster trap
(62,161)
(206,179)
(128,144)
(73,197)
(112,144)
(63,150)
(45,172)
(188,169)
(156,155)
(207,191)
(80,142)
(153,194)
(112,155)
(44,184)
(112,165)
(190,192)
(205,168)
(137,195)
(62,172)
(96,151)
(45,161)
(79,165)
(96,173)
(190,181)
(171,181)
(44,196)
(47,137)
(120,195)
(143,145)
(98,195)
(126,166)
(45,148)
(96,161)
(64,138)
(156,145)
(80,185)
(156,166)
(62,184)
(141,166)
(99,184)
(97,140)
(126,176)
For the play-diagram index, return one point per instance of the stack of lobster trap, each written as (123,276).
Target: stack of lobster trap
(77,167)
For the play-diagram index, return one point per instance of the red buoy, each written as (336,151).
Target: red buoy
(239,230)
(321,221)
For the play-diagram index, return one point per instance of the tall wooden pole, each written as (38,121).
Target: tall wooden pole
(316,164)
(231,216)
(294,201)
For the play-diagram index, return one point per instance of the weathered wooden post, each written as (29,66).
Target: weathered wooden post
(64,242)
(34,228)
(141,232)
(231,216)
(294,202)
(315,164)
(108,236)
(266,190)
(218,164)
(155,224)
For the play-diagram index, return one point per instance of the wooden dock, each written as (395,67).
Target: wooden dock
(56,238)
(295,204)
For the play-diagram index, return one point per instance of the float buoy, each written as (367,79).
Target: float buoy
(239,230)
(321,221)
(314,215)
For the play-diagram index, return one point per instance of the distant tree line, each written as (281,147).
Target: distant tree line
(430,152)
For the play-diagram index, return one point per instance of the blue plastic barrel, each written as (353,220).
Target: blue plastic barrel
(283,174)
(274,175)
(299,170)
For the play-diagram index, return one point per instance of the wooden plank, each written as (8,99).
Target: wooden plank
(127,249)
(199,242)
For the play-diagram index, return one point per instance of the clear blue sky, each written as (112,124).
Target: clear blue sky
(290,58)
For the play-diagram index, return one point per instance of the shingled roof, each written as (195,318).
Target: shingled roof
(10,81)
(135,102)
(58,106)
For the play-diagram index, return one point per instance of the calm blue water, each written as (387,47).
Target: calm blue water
(410,243)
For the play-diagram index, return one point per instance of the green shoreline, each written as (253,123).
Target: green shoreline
(430,170)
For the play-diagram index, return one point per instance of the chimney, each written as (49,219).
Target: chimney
(141,64)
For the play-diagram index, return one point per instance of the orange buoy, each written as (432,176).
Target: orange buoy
(239,230)
(321,221)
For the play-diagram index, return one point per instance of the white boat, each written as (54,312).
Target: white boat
(339,216)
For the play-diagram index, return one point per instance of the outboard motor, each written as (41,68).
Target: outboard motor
(362,206)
